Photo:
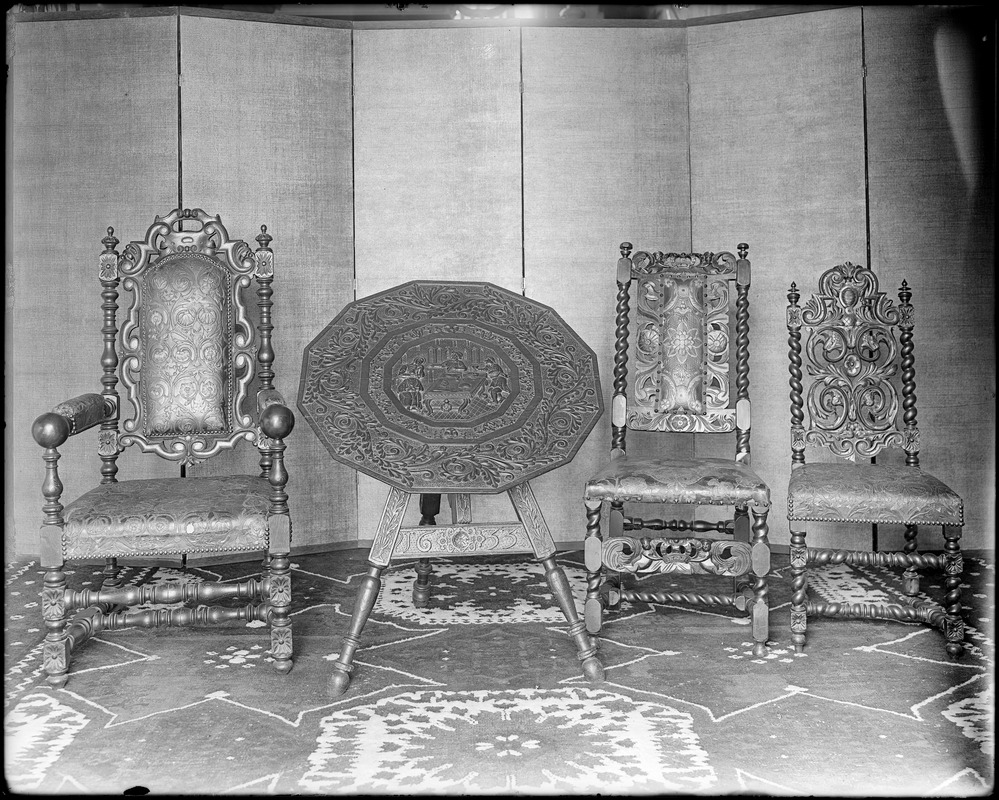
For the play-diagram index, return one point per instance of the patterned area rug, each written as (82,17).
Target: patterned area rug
(481,693)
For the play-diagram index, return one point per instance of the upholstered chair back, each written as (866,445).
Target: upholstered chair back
(186,347)
(685,318)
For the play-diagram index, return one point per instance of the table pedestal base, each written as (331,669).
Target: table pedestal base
(461,538)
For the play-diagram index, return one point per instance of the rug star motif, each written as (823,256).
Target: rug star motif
(508,741)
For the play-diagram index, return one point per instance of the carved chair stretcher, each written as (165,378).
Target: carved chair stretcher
(679,366)
(857,399)
(459,389)
(186,355)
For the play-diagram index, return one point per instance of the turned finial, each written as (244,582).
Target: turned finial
(264,239)
(743,249)
(904,294)
(109,241)
(793,295)
(625,249)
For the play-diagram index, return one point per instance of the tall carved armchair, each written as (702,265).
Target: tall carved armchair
(185,356)
(856,398)
(689,360)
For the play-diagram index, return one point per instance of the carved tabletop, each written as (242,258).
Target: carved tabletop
(450,387)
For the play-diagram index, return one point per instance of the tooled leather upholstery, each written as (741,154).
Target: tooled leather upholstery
(871,493)
(706,481)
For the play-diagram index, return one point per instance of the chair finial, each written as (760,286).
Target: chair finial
(109,241)
(264,238)
(626,249)
(743,249)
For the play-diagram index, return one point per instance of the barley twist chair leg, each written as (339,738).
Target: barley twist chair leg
(954,567)
(911,576)
(593,606)
(761,568)
(799,590)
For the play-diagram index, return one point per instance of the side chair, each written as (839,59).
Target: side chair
(185,355)
(681,365)
(856,398)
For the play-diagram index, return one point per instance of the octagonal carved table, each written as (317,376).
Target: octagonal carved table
(460,389)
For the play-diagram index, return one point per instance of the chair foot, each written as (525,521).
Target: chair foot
(284,667)
(799,648)
(339,681)
(760,649)
(955,650)
(57,681)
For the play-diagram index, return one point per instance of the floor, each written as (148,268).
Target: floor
(481,693)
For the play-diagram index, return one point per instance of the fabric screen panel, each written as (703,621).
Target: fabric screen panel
(437,177)
(777,161)
(930,111)
(266,139)
(95,145)
(605,161)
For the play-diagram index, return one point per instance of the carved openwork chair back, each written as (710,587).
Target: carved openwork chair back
(187,350)
(853,387)
(685,317)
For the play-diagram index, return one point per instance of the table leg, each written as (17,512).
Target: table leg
(430,507)
(384,543)
(530,516)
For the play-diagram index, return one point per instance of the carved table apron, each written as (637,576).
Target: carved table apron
(459,389)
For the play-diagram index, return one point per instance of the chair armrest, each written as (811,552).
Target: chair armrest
(70,418)
(275,418)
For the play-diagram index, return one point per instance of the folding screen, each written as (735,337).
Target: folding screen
(95,144)
(437,182)
(931,145)
(777,160)
(262,145)
(605,159)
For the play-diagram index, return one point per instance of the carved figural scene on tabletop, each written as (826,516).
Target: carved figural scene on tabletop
(681,365)
(856,397)
(459,389)
(185,355)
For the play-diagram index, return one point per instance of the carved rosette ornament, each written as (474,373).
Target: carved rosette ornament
(450,387)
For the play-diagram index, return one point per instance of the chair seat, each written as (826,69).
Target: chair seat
(871,493)
(702,481)
(169,515)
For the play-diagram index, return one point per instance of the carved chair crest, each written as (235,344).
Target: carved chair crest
(187,348)
(682,332)
(858,368)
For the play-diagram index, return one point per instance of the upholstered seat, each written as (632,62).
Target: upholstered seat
(871,493)
(170,515)
(704,481)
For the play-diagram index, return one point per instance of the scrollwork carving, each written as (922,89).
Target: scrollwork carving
(687,556)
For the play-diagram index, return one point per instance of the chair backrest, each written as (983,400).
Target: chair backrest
(689,345)
(186,352)
(857,393)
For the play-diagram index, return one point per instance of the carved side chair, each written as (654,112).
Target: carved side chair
(689,360)
(186,355)
(857,399)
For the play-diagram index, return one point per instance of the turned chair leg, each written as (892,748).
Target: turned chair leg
(954,568)
(57,645)
(365,602)
(592,546)
(761,569)
(559,586)
(910,577)
(799,590)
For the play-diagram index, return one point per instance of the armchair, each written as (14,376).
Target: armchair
(186,355)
